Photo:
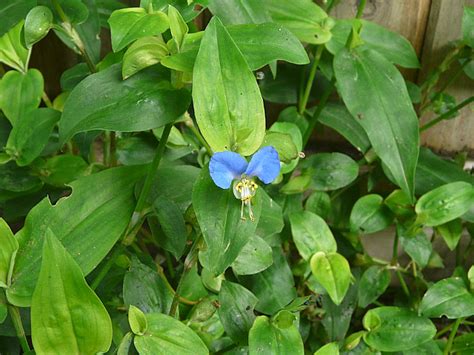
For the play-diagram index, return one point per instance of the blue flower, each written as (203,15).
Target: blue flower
(228,167)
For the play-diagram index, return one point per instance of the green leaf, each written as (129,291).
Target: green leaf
(373,283)
(368,83)
(12,52)
(451,232)
(468,26)
(30,134)
(418,247)
(370,215)
(67,317)
(430,347)
(127,25)
(445,203)
(226,238)
(448,297)
(145,289)
(20,93)
(125,344)
(393,46)
(463,344)
(274,287)
(470,276)
(88,236)
(13,11)
(235,12)
(7,253)
(338,118)
(271,218)
(235,118)
(333,272)
(396,329)
(328,349)
(311,234)
(296,185)
(331,171)
(170,218)
(399,203)
(38,22)
(284,145)
(75,11)
(236,311)
(319,202)
(137,320)
(267,338)
(61,169)
(166,335)
(103,101)
(3,308)
(17,179)
(269,42)
(302,17)
(178,26)
(145,52)
(433,171)
(254,257)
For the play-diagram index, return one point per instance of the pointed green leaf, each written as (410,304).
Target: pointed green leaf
(370,215)
(7,253)
(227,101)
(451,232)
(178,26)
(127,25)
(223,229)
(236,12)
(12,52)
(38,22)
(104,101)
(88,236)
(30,134)
(311,234)
(396,329)
(332,271)
(137,320)
(236,311)
(449,297)
(328,349)
(20,93)
(145,52)
(267,338)
(67,317)
(368,83)
(445,203)
(13,11)
(166,335)
(372,284)
(254,257)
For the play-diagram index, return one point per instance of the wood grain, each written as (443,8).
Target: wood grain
(444,27)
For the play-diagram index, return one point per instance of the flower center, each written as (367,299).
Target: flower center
(244,189)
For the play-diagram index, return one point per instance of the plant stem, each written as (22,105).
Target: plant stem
(394,261)
(190,124)
(189,262)
(314,119)
(20,331)
(46,100)
(309,83)
(447,349)
(446,114)
(360,8)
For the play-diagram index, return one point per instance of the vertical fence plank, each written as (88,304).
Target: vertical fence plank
(444,27)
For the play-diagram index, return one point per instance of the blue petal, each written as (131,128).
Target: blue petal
(265,164)
(225,167)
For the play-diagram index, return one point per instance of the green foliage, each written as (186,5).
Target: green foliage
(228,177)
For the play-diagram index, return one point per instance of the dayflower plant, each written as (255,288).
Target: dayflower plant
(230,168)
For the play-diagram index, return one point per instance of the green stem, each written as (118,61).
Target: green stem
(106,148)
(20,331)
(444,330)
(360,8)
(46,100)
(394,261)
(189,262)
(309,83)
(403,283)
(446,114)
(138,215)
(447,349)
(190,124)
(314,119)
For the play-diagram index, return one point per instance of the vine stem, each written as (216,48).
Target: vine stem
(446,114)
(447,349)
(360,8)
(189,262)
(309,83)
(20,331)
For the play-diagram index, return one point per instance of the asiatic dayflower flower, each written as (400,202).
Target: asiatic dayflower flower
(230,168)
